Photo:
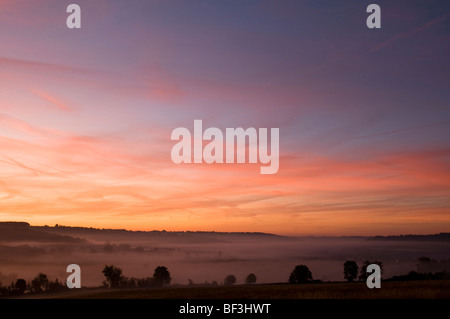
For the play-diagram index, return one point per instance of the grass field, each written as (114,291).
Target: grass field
(433,289)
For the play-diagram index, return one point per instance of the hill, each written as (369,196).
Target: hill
(23,232)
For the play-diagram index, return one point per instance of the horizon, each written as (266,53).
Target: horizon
(363,114)
(222,232)
(205,256)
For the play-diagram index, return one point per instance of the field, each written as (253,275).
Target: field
(433,289)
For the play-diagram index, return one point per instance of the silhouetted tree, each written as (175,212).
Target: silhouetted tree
(113,276)
(428,265)
(350,270)
(424,259)
(229,280)
(40,283)
(145,282)
(363,273)
(251,279)
(20,286)
(56,285)
(130,282)
(161,276)
(300,275)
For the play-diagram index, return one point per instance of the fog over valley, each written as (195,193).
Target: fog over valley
(201,257)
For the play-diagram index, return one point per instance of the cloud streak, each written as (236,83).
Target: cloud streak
(51,99)
(405,35)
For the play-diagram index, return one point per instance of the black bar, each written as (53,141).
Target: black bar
(222,308)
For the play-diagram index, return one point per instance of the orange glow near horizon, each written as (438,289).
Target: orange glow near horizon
(351,199)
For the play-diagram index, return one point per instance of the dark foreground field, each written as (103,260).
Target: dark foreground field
(433,289)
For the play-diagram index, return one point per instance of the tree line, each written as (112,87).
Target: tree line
(115,279)
(38,284)
(161,277)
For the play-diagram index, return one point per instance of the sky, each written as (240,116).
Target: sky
(86,115)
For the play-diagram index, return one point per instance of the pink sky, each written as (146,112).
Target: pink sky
(86,116)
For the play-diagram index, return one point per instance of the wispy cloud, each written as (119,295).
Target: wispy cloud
(405,35)
(39,66)
(51,99)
